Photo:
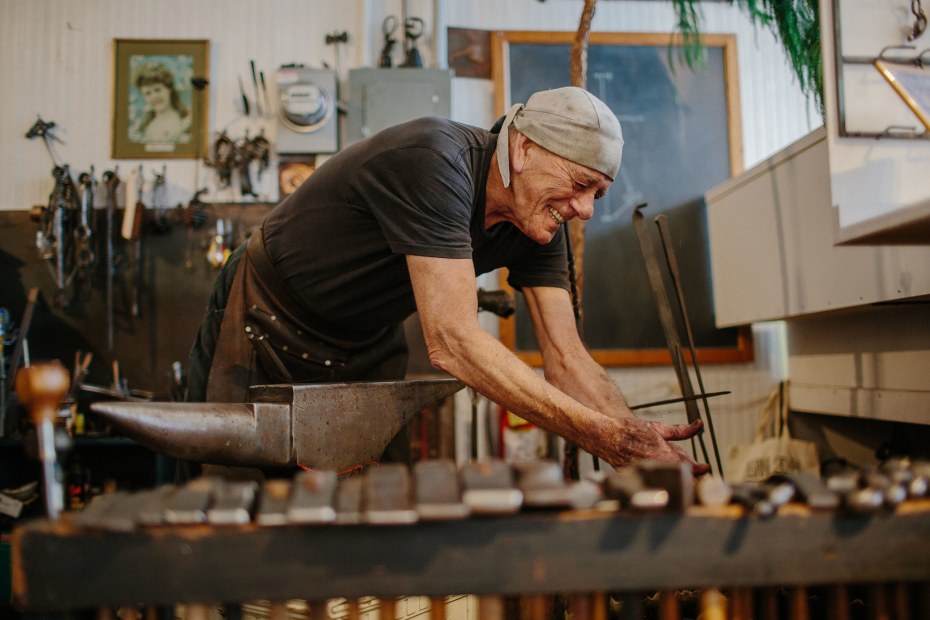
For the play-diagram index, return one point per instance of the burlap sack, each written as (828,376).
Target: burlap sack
(774,451)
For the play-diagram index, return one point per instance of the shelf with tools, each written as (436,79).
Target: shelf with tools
(174,285)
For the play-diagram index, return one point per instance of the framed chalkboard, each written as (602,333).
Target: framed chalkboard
(681,137)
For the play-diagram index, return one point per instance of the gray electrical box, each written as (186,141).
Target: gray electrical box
(380,98)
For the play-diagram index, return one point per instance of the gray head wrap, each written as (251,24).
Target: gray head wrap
(570,122)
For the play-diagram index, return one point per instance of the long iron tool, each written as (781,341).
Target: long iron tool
(661,221)
(111,178)
(667,319)
(132,231)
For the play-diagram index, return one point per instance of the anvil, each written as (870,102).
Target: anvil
(327,426)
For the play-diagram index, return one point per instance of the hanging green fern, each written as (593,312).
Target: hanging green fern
(796,24)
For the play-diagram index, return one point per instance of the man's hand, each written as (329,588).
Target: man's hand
(651,440)
(679,432)
(579,402)
(571,369)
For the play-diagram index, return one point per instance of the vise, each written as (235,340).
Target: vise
(328,426)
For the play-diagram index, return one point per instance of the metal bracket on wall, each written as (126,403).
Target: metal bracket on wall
(897,132)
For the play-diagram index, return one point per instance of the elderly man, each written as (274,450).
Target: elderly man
(403,222)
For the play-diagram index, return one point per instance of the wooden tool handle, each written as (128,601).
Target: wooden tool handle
(40,387)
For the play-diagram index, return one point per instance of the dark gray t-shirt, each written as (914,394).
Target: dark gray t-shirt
(340,240)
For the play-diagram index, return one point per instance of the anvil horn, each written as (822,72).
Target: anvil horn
(254,434)
(322,426)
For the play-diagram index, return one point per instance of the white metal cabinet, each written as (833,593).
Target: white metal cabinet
(773,254)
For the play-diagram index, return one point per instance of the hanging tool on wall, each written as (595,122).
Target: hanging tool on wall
(671,328)
(43,129)
(111,180)
(133,217)
(223,158)
(54,240)
(920,20)
(58,240)
(243,159)
(388,26)
(79,373)
(258,99)
(195,216)
(335,39)
(85,257)
(260,151)
(160,222)
(268,108)
(413,30)
(247,151)
(245,100)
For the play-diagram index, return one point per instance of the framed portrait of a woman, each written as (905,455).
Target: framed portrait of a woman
(160,98)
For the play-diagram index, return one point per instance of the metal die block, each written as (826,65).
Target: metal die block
(543,486)
(349,500)
(387,495)
(489,488)
(272,506)
(438,492)
(233,502)
(312,498)
(188,504)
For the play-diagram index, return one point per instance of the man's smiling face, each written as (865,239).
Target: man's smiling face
(550,190)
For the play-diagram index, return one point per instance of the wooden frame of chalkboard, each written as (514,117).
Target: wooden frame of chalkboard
(682,136)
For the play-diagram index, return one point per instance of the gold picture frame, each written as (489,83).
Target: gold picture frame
(160,98)
(912,83)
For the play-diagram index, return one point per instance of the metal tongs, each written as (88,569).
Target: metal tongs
(670,327)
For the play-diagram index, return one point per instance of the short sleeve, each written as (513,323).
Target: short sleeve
(421,199)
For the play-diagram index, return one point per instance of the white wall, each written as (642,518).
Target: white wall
(56,62)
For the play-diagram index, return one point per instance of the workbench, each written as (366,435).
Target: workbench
(58,566)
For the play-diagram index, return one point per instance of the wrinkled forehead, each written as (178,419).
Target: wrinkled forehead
(590,175)
(581,173)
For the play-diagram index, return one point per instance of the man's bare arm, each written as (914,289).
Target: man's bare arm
(569,366)
(447,303)
(566,362)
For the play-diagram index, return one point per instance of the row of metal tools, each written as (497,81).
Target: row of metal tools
(78,248)
(398,496)
(394,494)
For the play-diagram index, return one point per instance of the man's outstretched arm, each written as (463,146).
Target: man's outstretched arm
(446,298)
(569,366)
